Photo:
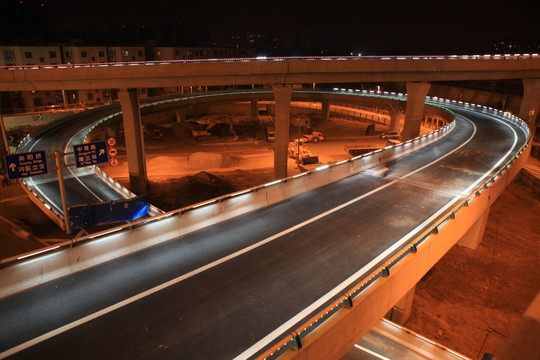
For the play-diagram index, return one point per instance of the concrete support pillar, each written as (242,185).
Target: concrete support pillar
(325,110)
(394,119)
(181,115)
(473,237)
(416,96)
(530,104)
(133,130)
(282,96)
(523,340)
(254,110)
(402,310)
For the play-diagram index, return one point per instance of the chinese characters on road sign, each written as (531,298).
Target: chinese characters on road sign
(90,154)
(26,164)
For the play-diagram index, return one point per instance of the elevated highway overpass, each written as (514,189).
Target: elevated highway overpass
(271,281)
(232,260)
(282,74)
(284,71)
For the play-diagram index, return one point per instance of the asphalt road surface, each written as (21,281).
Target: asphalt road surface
(82,184)
(216,293)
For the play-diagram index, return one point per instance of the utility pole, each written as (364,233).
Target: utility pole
(60,171)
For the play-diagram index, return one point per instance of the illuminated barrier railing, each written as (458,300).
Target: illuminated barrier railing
(53,213)
(81,253)
(152,210)
(269,58)
(299,338)
(346,109)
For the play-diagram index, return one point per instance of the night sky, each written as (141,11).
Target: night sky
(359,26)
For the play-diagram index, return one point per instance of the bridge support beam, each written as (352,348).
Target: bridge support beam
(282,96)
(181,115)
(416,96)
(402,310)
(254,110)
(395,116)
(530,104)
(325,106)
(133,130)
(473,237)
(523,340)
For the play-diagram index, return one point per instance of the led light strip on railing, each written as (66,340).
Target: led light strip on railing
(270,58)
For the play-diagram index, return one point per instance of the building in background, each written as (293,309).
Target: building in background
(78,100)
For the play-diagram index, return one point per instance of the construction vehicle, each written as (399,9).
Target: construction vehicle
(360,149)
(313,136)
(210,124)
(391,135)
(302,155)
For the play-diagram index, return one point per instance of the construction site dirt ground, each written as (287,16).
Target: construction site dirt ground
(469,301)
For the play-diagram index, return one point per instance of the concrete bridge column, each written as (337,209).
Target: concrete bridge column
(473,237)
(282,96)
(414,113)
(133,130)
(402,310)
(325,110)
(530,104)
(394,119)
(523,340)
(254,110)
(181,115)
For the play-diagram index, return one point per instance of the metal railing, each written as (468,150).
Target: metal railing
(269,58)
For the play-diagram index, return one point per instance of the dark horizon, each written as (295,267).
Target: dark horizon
(347,27)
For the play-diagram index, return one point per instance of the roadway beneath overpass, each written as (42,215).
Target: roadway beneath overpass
(84,186)
(253,279)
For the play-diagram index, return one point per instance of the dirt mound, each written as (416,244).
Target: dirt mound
(204,160)
(189,190)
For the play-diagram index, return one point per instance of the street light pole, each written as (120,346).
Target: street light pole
(60,170)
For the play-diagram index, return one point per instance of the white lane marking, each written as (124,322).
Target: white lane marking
(371,352)
(73,175)
(160,287)
(475,184)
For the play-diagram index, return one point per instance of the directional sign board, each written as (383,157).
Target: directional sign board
(26,164)
(90,153)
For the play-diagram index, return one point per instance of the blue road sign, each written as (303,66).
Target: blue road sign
(91,154)
(26,164)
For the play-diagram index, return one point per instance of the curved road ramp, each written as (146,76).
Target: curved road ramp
(302,267)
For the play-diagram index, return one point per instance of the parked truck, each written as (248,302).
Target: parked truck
(359,149)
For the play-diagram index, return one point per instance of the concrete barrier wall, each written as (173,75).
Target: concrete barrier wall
(21,273)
